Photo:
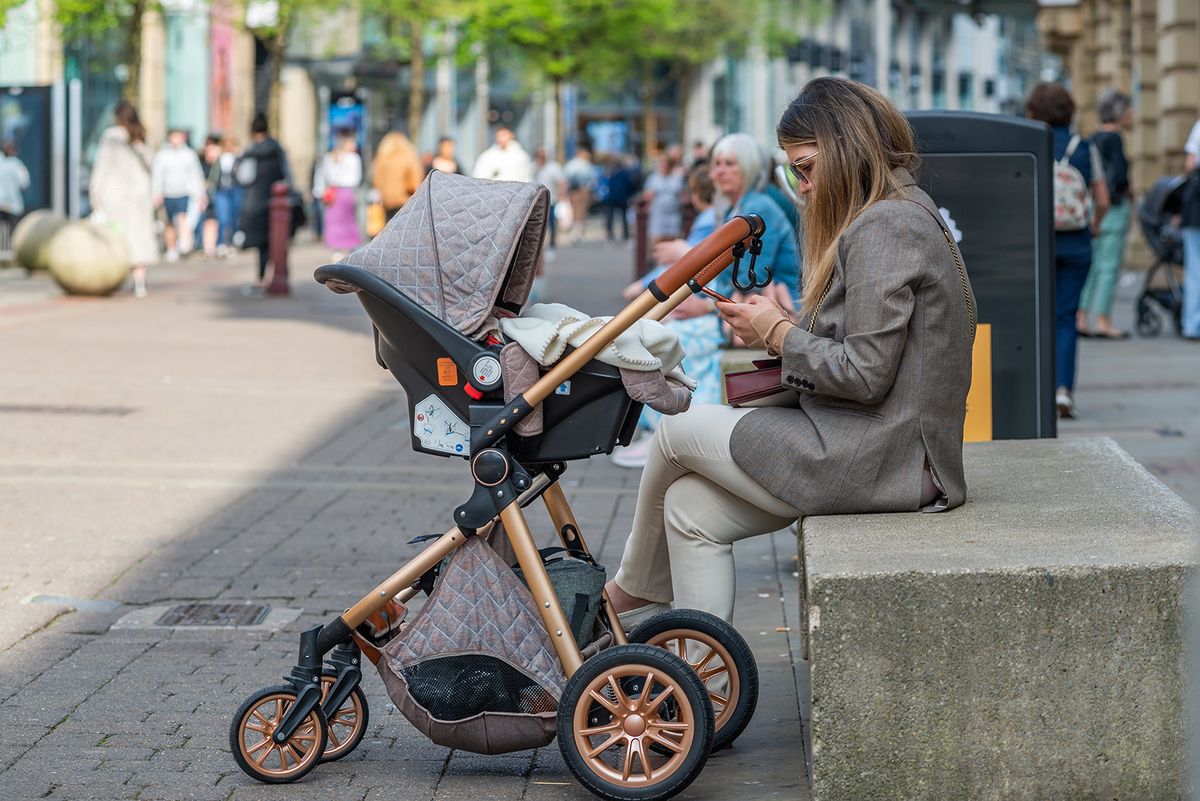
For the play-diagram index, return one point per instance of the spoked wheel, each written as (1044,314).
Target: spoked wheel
(348,724)
(260,756)
(606,729)
(721,658)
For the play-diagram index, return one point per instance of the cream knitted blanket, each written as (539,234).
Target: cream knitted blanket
(545,330)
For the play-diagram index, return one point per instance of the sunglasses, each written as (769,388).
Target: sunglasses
(802,168)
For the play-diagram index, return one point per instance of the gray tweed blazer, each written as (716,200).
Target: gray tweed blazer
(882,380)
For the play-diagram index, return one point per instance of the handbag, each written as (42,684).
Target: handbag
(762,386)
(376,218)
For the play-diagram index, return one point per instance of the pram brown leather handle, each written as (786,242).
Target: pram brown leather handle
(703,257)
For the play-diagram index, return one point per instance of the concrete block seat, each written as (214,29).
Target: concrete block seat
(1029,645)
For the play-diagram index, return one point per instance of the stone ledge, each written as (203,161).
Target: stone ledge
(1027,646)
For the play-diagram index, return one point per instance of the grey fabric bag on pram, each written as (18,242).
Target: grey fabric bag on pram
(476,669)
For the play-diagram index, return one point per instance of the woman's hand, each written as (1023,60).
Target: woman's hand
(693,306)
(633,290)
(778,293)
(669,251)
(739,315)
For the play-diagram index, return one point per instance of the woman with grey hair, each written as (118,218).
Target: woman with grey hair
(1116,115)
(739,171)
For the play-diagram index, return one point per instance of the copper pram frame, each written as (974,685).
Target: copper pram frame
(500,482)
(699,266)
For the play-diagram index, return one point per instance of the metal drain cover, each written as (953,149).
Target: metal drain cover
(203,614)
(200,615)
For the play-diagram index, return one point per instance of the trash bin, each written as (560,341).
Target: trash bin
(991,176)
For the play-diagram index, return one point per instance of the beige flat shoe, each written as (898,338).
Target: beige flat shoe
(635,617)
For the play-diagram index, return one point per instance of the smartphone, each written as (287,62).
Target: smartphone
(712,293)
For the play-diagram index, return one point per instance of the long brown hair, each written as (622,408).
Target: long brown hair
(127,117)
(861,137)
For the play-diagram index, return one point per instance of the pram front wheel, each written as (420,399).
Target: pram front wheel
(720,657)
(258,755)
(348,723)
(621,702)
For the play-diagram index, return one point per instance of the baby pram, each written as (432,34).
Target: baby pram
(1162,288)
(486,664)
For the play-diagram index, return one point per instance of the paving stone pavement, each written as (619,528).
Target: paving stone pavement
(203,444)
(206,445)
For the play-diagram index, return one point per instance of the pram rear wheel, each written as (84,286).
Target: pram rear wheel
(620,703)
(1149,324)
(348,724)
(721,658)
(258,755)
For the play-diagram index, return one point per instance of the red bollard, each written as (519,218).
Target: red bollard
(279,236)
(641,243)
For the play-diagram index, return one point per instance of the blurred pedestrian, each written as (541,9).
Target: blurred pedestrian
(262,165)
(549,173)
(14,179)
(620,186)
(121,193)
(445,160)
(699,154)
(1190,224)
(396,172)
(226,195)
(178,185)
(208,229)
(581,183)
(1115,109)
(504,161)
(663,191)
(1078,175)
(337,185)
(739,171)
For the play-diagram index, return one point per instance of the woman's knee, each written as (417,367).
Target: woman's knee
(688,503)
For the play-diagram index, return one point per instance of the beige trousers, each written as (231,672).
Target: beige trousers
(693,504)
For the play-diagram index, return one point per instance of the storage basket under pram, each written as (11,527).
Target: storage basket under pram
(1162,286)
(496,661)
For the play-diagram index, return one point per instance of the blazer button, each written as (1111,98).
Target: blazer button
(791,379)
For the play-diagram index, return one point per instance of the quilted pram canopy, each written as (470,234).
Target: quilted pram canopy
(464,248)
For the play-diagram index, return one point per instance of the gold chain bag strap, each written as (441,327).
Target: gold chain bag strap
(962,273)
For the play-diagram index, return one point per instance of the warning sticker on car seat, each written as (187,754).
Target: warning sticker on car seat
(447,372)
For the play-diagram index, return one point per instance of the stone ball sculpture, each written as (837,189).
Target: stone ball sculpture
(32,235)
(88,259)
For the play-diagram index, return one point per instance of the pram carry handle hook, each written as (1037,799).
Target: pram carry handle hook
(712,247)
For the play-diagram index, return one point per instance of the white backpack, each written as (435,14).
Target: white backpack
(1070,193)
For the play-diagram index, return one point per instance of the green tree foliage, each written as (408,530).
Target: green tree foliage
(80,20)
(275,38)
(679,36)
(564,41)
(7,6)
(400,28)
